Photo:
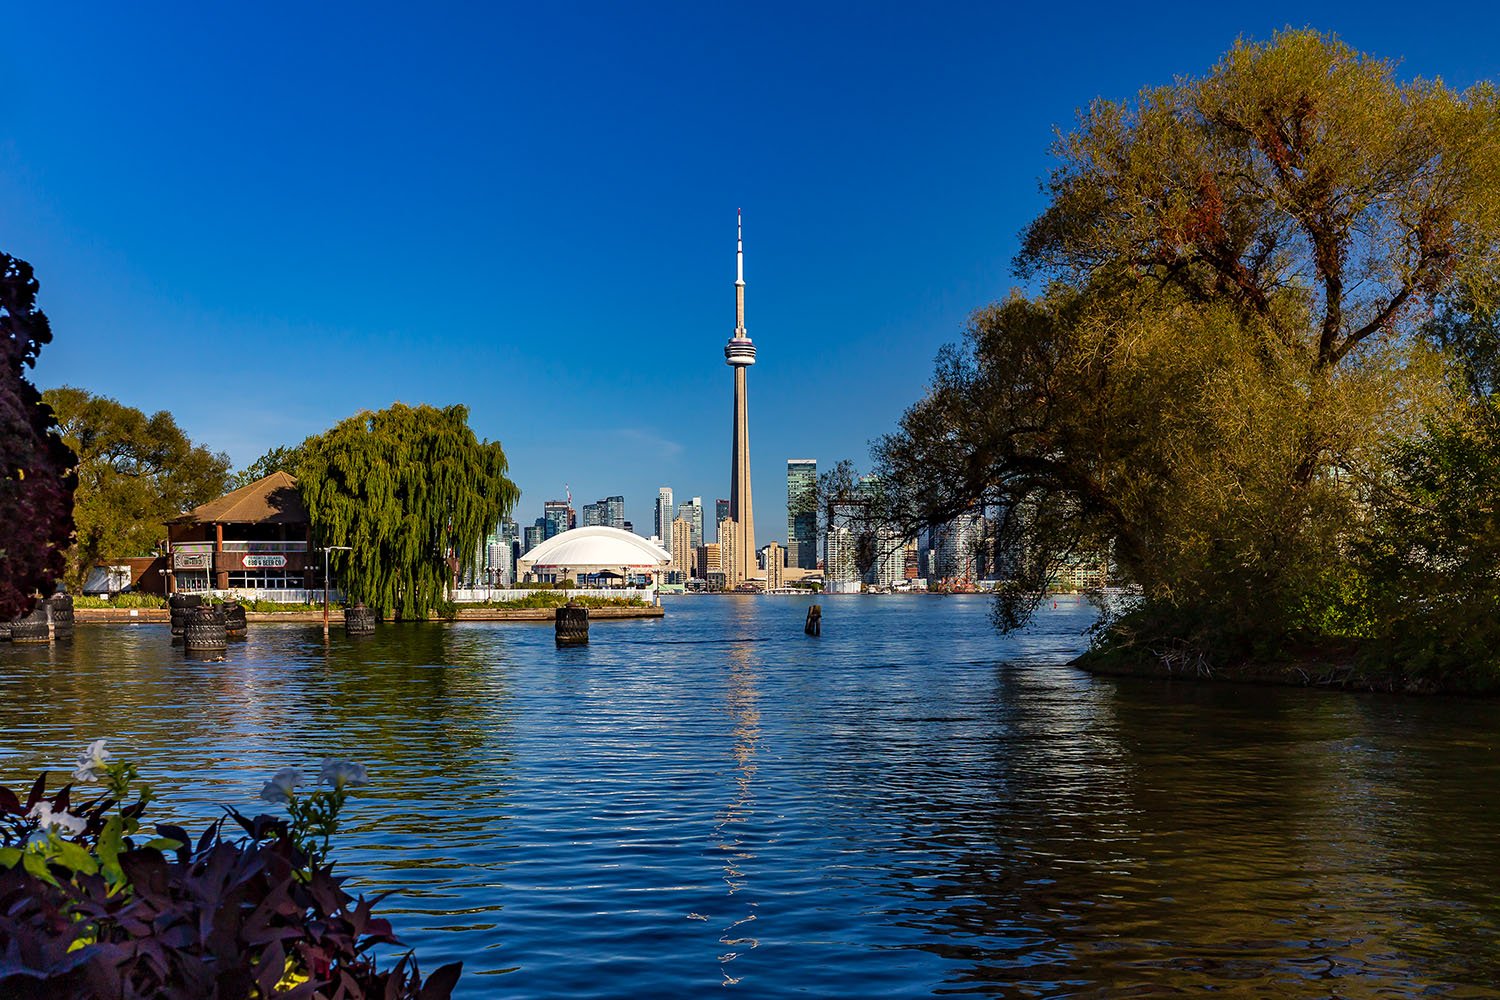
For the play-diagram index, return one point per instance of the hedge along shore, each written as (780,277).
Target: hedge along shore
(162,616)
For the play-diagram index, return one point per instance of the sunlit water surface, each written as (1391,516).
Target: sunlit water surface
(908,805)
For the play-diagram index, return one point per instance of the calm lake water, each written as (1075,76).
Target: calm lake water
(716,804)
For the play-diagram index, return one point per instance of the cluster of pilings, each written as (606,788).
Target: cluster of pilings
(50,620)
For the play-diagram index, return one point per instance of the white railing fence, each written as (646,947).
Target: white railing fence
(475,595)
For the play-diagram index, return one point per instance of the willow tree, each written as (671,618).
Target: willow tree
(36,478)
(412,492)
(1238,269)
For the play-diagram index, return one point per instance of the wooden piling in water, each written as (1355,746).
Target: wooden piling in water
(814,624)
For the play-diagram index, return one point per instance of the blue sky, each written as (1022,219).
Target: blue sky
(266,218)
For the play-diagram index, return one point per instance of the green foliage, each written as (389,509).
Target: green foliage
(93,905)
(1230,345)
(131,600)
(413,492)
(553,599)
(1431,553)
(135,472)
(278,459)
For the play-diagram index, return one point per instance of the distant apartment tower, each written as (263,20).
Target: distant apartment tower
(592,515)
(692,512)
(721,510)
(729,540)
(708,559)
(775,566)
(557,517)
(802,513)
(957,548)
(612,512)
(682,549)
(840,572)
(664,515)
(532,536)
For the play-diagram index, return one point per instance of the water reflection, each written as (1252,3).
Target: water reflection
(729,828)
(903,806)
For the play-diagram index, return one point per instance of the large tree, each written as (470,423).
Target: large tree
(1238,267)
(36,479)
(412,492)
(134,473)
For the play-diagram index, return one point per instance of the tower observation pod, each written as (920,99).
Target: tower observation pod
(739,354)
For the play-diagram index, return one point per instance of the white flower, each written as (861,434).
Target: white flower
(61,820)
(339,773)
(91,763)
(279,788)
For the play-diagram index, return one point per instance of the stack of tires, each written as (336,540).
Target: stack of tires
(359,620)
(180,605)
(34,627)
(235,623)
(203,629)
(572,626)
(59,609)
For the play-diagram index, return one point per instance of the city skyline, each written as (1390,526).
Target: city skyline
(571,301)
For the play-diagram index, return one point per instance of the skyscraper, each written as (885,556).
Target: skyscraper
(612,512)
(802,513)
(556,515)
(664,515)
(682,549)
(739,354)
(721,511)
(591,515)
(692,512)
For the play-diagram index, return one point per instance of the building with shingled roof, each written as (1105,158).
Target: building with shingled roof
(252,540)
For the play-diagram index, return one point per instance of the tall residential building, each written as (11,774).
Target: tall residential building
(664,515)
(692,512)
(802,513)
(957,548)
(775,566)
(557,516)
(739,354)
(721,510)
(682,548)
(612,511)
(708,559)
(729,554)
(840,572)
(532,536)
(592,515)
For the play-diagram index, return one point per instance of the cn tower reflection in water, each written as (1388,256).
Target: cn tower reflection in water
(907,805)
(733,838)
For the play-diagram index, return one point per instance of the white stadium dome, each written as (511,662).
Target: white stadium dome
(595,548)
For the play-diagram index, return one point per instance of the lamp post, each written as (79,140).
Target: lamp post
(327,549)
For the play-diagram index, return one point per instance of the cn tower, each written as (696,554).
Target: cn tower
(739,354)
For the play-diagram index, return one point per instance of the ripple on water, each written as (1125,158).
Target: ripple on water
(906,805)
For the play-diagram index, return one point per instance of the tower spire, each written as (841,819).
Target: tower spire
(739,250)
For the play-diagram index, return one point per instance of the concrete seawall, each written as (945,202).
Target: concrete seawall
(160,616)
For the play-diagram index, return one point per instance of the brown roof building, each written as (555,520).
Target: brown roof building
(254,539)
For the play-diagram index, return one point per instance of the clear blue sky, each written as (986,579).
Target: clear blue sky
(266,218)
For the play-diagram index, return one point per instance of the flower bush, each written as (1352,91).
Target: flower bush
(91,905)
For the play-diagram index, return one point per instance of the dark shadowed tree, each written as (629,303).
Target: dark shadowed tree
(135,472)
(36,478)
(412,491)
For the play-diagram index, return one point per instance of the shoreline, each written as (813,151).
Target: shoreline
(162,616)
(1311,674)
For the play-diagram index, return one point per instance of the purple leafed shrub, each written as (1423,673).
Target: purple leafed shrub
(36,468)
(91,907)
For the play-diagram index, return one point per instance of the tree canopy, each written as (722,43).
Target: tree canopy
(1233,342)
(135,472)
(278,459)
(412,491)
(36,477)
